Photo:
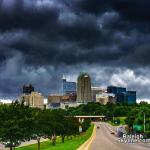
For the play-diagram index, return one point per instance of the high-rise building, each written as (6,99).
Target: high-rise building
(115,90)
(27,89)
(84,88)
(122,95)
(68,87)
(131,97)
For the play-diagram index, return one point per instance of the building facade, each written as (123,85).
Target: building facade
(34,99)
(54,98)
(55,101)
(122,95)
(95,91)
(115,89)
(84,94)
(104,98)
(131,97)
(60,98)
(68,87)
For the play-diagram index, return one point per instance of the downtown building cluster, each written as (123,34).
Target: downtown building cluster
(74,94)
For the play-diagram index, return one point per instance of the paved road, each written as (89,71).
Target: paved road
(104,140)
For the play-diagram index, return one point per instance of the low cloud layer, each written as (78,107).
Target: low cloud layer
(42,39)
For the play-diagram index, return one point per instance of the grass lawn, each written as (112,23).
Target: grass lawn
(122,121)
(67,145)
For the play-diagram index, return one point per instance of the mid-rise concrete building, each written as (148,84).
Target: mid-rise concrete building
(84,88)
(54,98)
(34,99)
(67,105)
(96,90)
(56,101)
(104,98)
(60,98)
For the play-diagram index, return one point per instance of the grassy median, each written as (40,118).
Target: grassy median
(67,145)
(122,121)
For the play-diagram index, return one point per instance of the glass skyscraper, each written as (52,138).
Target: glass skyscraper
(131,97)
(68,87)
(122,95)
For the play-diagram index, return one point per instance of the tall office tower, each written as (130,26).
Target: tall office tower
(68,87)
(27,89)
(84,88)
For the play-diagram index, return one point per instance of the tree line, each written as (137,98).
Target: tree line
(134,113)
(19,123)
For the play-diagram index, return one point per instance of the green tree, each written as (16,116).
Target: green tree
(15,121)
(51,123)
(86,124)
(70,126)
(37,130)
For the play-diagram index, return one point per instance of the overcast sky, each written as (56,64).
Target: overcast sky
(42,39)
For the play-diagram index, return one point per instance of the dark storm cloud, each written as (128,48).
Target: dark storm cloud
(42,39)
(141,55)
(49,22)
(26,18)
(134,10)
(94,6)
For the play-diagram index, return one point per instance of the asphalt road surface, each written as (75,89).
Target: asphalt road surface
(104,140)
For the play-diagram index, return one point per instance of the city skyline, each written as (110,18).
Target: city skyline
(63,89)
(41,40)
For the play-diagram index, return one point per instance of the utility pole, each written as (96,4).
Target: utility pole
(113,117)
(144,123)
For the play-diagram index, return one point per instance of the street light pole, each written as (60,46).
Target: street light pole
(144,122)
(113,117)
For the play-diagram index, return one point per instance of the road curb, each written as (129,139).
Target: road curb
(86,145)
